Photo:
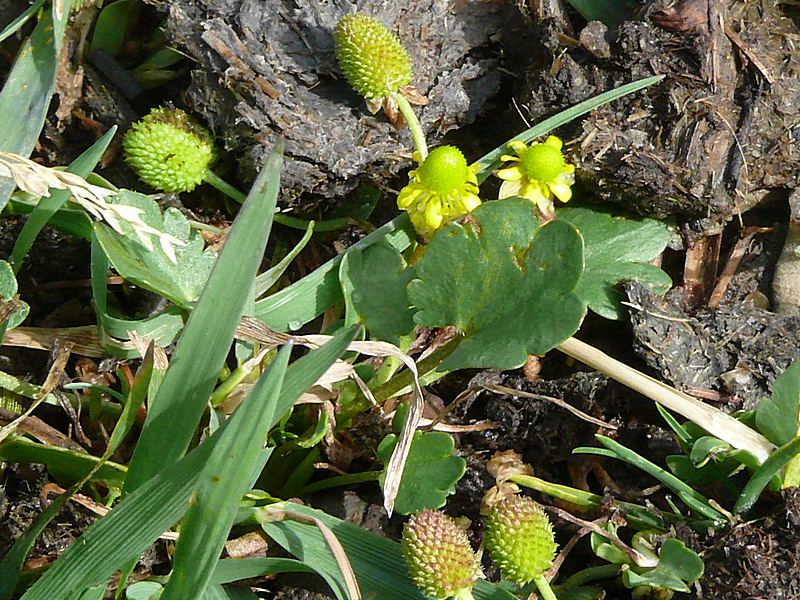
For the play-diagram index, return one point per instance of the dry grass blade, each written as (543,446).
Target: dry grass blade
(37,180)
(348,576)
(501,389)
(253,329)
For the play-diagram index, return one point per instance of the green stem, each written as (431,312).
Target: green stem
(544,587)
(405,379)
(231,192)
(339,481)
(464,594)
(588,575)
(583,499)
(414,128)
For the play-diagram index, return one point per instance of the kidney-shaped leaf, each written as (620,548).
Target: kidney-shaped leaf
(432,470)
(616,248)
(504,281)
(180,282)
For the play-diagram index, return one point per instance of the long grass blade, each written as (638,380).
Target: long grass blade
(207,337)
(224,480)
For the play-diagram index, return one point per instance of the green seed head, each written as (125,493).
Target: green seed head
(542,162)
(444,170)
(169,150)
(371,57)
(519,537)
(438,555)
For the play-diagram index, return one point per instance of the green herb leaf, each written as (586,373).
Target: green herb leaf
(181,282)
(374,283)
(677,566)
(777,417)
(505,282)
(432,470)
(15,309)
(616,248)
(610,12)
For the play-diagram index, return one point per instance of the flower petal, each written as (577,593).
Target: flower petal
(509,158)
(517,146)
(554,142)
(470,202)
(561,189)
(433,213)
(510,174)
(509,189)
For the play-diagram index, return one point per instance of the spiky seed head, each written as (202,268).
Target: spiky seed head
(169,150)
(370,56)
(438,555)
(519,537)
(444,170)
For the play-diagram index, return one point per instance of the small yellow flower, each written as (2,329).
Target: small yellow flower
(443,188)
(539,173)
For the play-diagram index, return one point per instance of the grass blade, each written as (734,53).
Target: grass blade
(25,97)
(207,337)
(491,160)
(761,478)
(23,18)
(224,480)
(161,501)
(610,12)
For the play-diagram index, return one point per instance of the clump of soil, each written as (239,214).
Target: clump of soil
(268,69)
(760,559)
(713,138)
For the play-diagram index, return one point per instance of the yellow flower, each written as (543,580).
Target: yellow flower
(539,173)
(443,188)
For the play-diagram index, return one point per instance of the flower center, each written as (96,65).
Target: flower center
(542,162)
(445,170)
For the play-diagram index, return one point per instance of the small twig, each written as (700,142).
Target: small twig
(501,389)
(637,557)
(735,258)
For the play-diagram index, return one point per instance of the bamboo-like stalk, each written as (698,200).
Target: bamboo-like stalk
(716,422)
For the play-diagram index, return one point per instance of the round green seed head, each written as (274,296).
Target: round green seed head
(519,537)
(370,56)
(438,555)
(444,170)
(542,162)
(169,150)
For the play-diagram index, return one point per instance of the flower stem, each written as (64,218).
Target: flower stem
(464,594)
(544,587)
(414,128)
(295,223)
(714,421)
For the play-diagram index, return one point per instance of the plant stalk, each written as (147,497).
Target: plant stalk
(544,587)
(414,127)
(231,192)
(714,421)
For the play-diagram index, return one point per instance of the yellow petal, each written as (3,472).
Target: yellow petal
(535,194)
(569,169)
(510,174)
(509,158)
(433,213)
(554,142)
(470,202)
(561,189)
(409,195)
(509,189)
(517,146)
